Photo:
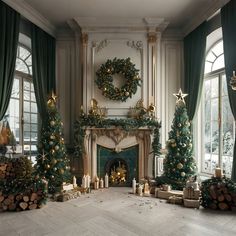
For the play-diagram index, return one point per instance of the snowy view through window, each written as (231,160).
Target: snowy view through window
(22,111)
(219,126)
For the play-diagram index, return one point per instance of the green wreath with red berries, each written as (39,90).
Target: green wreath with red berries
(125,68)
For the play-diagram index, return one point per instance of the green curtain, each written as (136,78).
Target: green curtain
(43,65)
(9,35)
(228,21)
(194,61)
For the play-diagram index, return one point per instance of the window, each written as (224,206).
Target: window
(218,125)
(22,110)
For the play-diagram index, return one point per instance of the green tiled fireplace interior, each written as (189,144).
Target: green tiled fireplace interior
(121,167)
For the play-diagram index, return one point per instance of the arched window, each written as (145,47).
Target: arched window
(217,119)
(22,110)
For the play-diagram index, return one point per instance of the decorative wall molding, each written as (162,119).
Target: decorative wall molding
(99,46)
(32,15)
(138,45)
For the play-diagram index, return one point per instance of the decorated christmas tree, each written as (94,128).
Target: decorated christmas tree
(52,161)
(179,163)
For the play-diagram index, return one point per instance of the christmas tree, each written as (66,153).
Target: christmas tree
(52,161)
(179,163)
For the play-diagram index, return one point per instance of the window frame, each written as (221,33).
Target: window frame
(24,77)
(200,144)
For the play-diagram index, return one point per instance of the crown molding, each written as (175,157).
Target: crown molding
(93,24)
(205,15)
(32,15)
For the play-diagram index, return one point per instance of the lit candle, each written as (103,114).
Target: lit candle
(134,185)
(106,181)
(233,73)
(218,172)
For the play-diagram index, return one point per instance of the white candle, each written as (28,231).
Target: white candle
(88,181)
(96,183)
(101,183)
(74,182)
(134,185)
(106,181)
(84,182)
(140,190)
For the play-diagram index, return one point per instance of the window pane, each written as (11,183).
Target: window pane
(26,117)
(33,107)
(215,138)
(224,86)
(34,118)
(24,53)
(21,66)
(27,106)
(214,87)
(33,96)
(29,61)
(26,85)
(218,48)
(214,109)
(27,127)
(26,95)
(15,89)
(219,63)
(207,137)
(210,57)
(33,127)
(208,66)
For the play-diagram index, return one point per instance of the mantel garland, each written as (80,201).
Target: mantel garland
(86,121)
(125,68)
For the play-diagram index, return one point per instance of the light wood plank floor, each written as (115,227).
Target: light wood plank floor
(114,211)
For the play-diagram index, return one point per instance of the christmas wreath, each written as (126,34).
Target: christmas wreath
(123,67)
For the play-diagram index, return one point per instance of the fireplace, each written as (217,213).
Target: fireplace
(106,147)
(121,166)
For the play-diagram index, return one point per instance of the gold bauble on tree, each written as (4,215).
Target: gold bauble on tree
(180,166)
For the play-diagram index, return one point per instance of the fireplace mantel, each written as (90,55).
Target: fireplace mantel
(118,139)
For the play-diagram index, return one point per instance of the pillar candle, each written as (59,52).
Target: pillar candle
(96,183)
(218,172)
(134,185)
(88,181)
(74,182)
(106,181)
(84,182)
(140,190)
(101,183)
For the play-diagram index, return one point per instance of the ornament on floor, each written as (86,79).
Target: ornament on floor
(124,68)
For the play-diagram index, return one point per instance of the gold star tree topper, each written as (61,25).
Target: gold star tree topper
(180,96)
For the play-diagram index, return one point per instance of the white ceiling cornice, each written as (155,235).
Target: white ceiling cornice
(93,24)
(197,20)
(32,15)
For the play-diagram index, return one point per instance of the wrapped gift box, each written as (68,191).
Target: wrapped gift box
(167,194)
(191,203)
(190,193)
(175,200)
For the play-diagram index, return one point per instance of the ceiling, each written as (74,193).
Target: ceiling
(179,13)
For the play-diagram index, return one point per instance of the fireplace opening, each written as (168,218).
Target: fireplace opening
(121,167)
(118,172)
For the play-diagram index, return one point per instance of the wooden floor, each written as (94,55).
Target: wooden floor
(116,212)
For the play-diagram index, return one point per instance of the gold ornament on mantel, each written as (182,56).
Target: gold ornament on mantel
(180,96)
(233,81)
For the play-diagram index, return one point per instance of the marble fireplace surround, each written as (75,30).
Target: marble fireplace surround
(117,139)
